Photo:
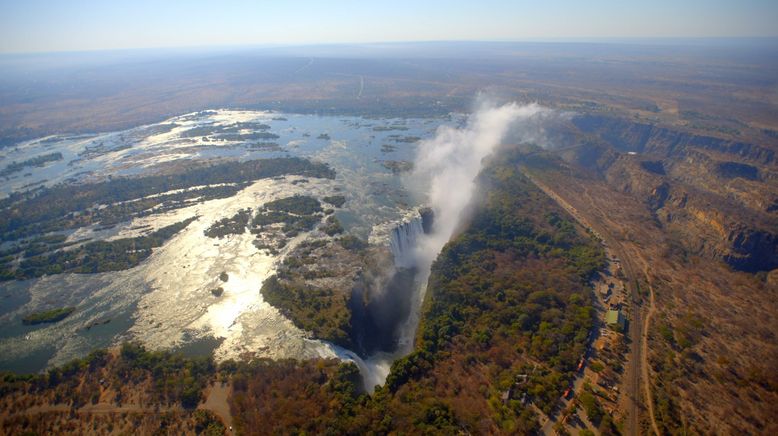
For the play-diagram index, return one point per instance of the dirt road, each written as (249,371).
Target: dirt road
(216,402)
(644,355)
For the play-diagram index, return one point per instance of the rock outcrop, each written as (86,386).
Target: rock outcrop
(718,195)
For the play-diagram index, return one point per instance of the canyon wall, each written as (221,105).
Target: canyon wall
(719,195)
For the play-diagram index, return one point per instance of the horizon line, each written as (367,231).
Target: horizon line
(549,40)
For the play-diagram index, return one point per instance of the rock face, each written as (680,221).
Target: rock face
(719,195)
(626,136)
(731,170)
(381,300)
(427,219)
(752,250)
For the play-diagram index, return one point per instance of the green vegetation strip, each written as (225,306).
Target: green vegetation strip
(299,213)
(37,161)
(64,207)
(94,257)
(335,200)
(52,315)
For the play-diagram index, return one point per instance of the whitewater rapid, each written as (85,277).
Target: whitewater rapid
(165,302)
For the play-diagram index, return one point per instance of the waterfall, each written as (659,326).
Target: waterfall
(403,242)
(373,370)
(383,310)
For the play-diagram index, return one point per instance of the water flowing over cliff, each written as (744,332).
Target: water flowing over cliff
(403,242)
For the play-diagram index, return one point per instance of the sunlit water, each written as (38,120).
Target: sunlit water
(166,301)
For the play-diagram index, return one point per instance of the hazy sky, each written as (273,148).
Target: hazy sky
(36,25)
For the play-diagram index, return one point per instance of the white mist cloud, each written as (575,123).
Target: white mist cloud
(450,162)
(445,168)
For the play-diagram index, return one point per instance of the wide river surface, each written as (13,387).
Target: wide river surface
(165,302)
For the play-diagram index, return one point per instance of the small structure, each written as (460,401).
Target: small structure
(506,396)
(615,319)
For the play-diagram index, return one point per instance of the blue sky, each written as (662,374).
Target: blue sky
(36,25)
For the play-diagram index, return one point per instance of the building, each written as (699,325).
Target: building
(615,319)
